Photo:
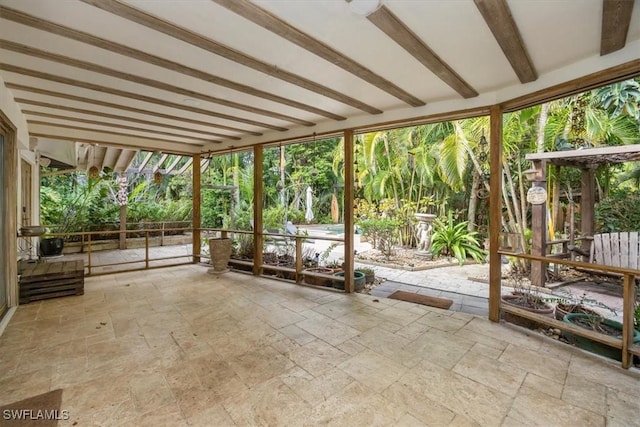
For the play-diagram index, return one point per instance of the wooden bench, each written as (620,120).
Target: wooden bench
(616,249)
(43,280)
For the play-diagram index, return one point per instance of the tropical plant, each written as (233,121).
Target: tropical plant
(619,212)
(451,239)
(382,233)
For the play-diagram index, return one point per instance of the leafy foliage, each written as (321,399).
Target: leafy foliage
(452,239)
(619,212)
(383,234)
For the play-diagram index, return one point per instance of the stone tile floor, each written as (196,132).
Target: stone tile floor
(178,346)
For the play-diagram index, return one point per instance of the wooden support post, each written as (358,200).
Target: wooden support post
(298,259)
(349,245)
(196,218)
(258,159)
(123,227)
(9,242)
(146,249)
(539,227)
(628,304)
(495,213)
(89,254)
(587,206)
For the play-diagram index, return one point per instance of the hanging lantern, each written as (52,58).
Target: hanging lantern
(94,172)
(157,177)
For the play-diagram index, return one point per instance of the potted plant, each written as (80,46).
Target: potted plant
(598,324)
(358,280)
(242,253)
(526,298)
(369,274)
(574,305)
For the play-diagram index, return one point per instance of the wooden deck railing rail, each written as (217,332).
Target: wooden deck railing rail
(86,238)
(298,239)
(628,294)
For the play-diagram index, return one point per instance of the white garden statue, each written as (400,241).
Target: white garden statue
(424,234)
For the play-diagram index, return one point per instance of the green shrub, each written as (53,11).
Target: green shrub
(382,233)
(451,239)
(619,212)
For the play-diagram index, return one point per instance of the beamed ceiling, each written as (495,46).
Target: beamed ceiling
(193,76)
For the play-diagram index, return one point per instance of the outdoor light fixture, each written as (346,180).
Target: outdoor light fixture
(364,7)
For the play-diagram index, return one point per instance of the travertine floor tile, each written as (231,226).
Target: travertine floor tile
(317,357)
(544,366)
(331,331)
(440,348)
(458,394)
(373,370)
(298,335)
(261,365)
(502,377)
(443,322)
(271,403)
(585,394)
(422,408)
(543,385)
(540,409)
(622,409)
(181,347)
(389,345)
(316,390)
(398,315)
(356,405)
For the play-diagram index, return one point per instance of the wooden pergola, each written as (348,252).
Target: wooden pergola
(587,160)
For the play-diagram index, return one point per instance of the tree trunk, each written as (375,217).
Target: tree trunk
(473,202)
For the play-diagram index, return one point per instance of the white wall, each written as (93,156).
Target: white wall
(11,111)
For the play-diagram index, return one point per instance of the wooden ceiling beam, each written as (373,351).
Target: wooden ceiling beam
(129,145)
(155,23)
(131,95)
(616,17)
(118,117)
(83,65)
(269,21)
(107,132)
(393,27)
(122,107)
(497,15)
(51,27)
(115,125)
